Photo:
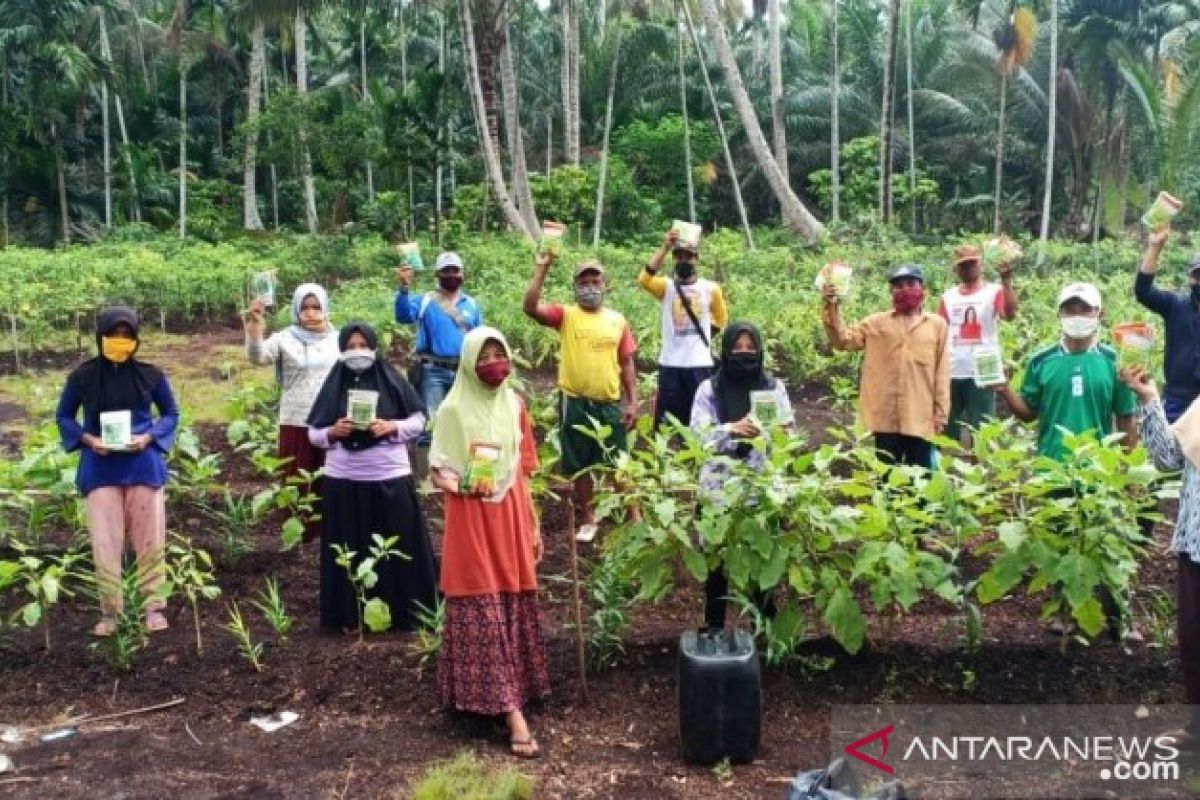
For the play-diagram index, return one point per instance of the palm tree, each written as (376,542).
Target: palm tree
(887,113)
(1051,125)
(1014,41)
(835,143)
(778,131)
(614,69)
(795,215)
(299,35)
(687,132)
(513,132)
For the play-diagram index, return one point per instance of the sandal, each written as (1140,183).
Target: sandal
(156,621)
(106,627)
(533,752)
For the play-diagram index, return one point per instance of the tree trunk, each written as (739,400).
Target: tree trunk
(687,130)
(4,234)
(266,87)
(835,136)
(306,168)
(106,55)
(886,114)
(60,174)
(183,68)
(511,99)
(570,79)
(730,167)
(778,130)
(1000,152)
(258,52)
(795,215)
(366,96)
(106,126)
(549,143)
(487,139)
(912,130)
(1051,130)
(441,134)
(608,114)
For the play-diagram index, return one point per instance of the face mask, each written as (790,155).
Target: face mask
(743,365)
(908,300)
(450,283)
(494,373)
(1079,327)
(685,269)
(589,297)
(358,360)
(116,349)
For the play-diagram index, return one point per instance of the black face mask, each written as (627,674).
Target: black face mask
(744,365)
(450,283)
(685,269)
(1196,293)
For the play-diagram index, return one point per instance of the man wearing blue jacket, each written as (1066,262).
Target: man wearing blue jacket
(1181,318)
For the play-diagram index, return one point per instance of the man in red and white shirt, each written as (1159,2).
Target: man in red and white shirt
(973,310)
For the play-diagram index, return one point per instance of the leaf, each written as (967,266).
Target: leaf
(1090,616)
(1078,575)
(31,614)
(292,533)
(696,565)
(772,573)
(377,615)
(845,620)
(1011,534)
(998,581)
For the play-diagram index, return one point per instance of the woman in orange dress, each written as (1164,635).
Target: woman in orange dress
(492,660)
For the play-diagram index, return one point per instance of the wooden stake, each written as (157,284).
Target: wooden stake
(581,645)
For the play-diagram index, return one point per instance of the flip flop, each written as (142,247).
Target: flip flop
(106,627)
(587,533)
(155,621)
(513,744)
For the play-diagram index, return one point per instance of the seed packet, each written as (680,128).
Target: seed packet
(689,233)
(411,253)
(836,273)
(1162,211)
(360,407)
(1001,250)
(552,238)
(989,365)
(479,476)
(1135,344)
(116,429)
(764,407)
(262,287)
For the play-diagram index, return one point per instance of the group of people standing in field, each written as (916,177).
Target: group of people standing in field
(456,415)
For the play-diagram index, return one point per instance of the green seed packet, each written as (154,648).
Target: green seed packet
(360,407)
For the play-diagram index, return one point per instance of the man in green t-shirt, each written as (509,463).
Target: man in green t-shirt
(1073,383)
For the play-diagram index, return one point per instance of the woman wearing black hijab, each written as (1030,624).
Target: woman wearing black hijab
(728,413)
(368,487)
(122,478)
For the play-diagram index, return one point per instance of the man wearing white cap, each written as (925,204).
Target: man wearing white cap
(443,317)
(1073,384)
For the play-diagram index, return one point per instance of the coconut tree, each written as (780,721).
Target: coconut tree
(887,113)
(835,142)
(1014,39)
(602,179)
(1051,130)
(775,55)
(795,214)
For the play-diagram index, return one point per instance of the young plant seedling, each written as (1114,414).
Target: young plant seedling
(270,603)
(373,612)
(190,570)
(251,650)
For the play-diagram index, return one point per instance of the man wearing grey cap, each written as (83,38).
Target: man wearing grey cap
(904,396)
(1181,317)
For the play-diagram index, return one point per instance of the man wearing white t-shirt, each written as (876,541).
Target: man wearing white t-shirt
(693,310)
(973,310)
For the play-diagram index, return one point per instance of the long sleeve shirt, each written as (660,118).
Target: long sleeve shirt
(145,468)
(1164,448)
(716,435)
(905,385)
(385,461)
(438,334)
(1182,352)
(302,370)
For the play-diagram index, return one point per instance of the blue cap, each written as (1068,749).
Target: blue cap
(907,271)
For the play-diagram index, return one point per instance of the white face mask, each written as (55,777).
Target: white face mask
(359,360)
(1079,327)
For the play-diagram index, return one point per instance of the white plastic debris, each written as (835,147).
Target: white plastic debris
(6,764)
(273,722)
(11,734)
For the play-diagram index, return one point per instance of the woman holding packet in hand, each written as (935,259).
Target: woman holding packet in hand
(368,486)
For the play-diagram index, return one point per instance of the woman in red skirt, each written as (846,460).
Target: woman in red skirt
(493,660)
(303,353)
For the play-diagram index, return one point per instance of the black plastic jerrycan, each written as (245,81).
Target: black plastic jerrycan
(720,696)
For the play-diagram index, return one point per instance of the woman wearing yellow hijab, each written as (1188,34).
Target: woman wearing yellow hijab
(492,660)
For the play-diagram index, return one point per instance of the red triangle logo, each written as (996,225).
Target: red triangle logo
(852,749)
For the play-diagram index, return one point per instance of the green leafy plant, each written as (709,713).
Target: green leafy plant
(235,519)
(129,636)
(372,611)
(270,603)
(467,777)
(431,624)
(190,570)
(251,650)
(45,579)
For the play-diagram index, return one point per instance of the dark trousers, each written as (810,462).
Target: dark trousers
(1187,601)
(676,390)
(715,590)
(899,448)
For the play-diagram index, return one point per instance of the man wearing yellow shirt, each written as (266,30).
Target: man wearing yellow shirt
(904,395)
(596,375)
(693,310)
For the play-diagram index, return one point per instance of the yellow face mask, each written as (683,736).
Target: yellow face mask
(116,349)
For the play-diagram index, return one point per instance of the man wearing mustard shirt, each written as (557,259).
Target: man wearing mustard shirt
(596,375)
(693,309)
